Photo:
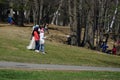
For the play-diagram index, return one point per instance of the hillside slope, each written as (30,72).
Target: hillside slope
(14,39)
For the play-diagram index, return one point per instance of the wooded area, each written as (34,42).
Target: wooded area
(95,20)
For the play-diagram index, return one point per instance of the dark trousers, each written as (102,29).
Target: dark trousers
(37,44)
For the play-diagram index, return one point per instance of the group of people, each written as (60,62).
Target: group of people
(37,39)
(104,49)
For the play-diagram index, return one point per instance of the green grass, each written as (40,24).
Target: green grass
(13,48)
(13,44)
(57,75)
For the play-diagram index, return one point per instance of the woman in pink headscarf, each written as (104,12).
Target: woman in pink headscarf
(42,40)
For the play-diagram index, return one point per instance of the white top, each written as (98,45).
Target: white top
(42,38)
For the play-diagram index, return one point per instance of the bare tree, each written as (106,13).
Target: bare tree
(57,12)
(114,16)
(73,20)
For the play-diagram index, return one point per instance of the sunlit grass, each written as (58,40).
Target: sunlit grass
(13,44)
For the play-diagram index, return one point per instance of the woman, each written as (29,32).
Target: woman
(31,46)
(42,40)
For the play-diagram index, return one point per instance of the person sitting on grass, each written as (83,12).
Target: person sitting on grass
(114,50)
(104,47)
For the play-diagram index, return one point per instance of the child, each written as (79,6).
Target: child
(42,40)
(114,50)
(104,47)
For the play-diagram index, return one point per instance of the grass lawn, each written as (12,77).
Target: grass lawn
(57,75)
(13,42)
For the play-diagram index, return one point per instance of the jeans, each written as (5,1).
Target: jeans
(37,45)
(41,47)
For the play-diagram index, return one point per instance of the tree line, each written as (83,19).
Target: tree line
(91,21)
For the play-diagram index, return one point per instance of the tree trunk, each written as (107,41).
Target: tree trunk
(57,12)
(21,15)
(35,11)
(89,27)
(40,12)
(11,9)
(73,21)
(102,10)
(79,22)
(114,16)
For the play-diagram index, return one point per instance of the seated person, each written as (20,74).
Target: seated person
(68,40)
(114,50)
(104,47)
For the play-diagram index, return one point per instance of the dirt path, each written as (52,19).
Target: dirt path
(28,66)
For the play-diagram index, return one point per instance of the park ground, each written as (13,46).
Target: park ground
(14,39)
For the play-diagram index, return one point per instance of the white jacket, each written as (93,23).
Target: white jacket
(42,37)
